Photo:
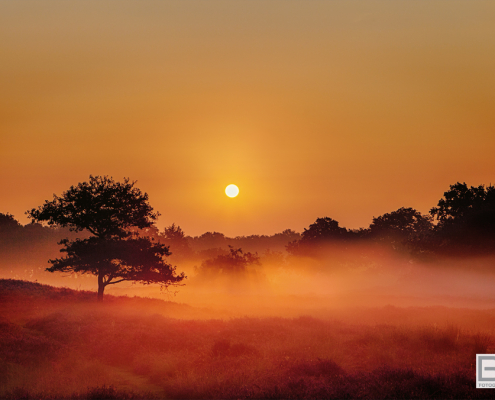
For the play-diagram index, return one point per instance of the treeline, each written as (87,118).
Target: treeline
(461,224)
(25,249)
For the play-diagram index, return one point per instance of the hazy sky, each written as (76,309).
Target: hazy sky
(345,109)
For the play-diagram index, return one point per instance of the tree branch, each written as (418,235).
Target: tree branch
(92,231)
(121,280)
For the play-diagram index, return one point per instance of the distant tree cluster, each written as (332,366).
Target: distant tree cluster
(23,249)
(212,240)
(235,262)
(466,222)
(465,225)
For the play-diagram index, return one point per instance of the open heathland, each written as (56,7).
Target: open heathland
(60,343)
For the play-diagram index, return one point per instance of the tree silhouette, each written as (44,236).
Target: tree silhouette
(466,221)
(320,233)
(112,212)
(460,201)
(323,229)
(173,236)
(102,206)
(115,260)
(209,240)
(400,226)
(8,224)
(235,262)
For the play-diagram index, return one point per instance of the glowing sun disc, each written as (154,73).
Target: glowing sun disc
(232,190)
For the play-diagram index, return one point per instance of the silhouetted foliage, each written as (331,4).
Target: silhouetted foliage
(460,201)
(112,212)
(322,230)
(400,226)
(8,224)
(209,240)
(465,226)
(173,236)
(25,249)
(252,243)
(102,206)
(466,221)
(319,234)
(116,260)
(287,235)
(235,262)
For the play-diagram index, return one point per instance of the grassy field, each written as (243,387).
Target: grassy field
(59,343)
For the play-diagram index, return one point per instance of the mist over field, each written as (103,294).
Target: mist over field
(296,332)
(360,276)
(246,199)
(359,318)
(302,287)
(395,310)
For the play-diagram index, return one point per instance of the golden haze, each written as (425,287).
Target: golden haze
(345,109)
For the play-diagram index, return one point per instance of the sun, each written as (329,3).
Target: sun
(232,190)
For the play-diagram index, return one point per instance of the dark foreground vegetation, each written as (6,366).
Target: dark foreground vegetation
(59,343)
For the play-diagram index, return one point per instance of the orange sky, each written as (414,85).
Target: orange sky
(346,109)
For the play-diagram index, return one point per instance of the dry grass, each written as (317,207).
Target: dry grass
(81,351)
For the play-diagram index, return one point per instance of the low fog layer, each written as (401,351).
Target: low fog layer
(303,286)
(404,258)
(281,284)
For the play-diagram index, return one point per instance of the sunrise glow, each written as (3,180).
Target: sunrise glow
(358,261)
(232,190)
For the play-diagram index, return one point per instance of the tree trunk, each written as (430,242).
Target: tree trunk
(101,287)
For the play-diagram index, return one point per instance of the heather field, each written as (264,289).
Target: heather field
(60,343)
(247,199)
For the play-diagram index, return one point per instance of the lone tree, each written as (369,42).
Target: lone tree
(112,212)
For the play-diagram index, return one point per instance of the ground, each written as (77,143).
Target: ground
(60,343)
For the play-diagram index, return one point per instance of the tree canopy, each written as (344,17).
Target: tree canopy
(461,201)
(173,236)
(320,233)
(8,224)
(113,212)
(116,260)
(400,226)
(466,221)
(323,229)
(102,206)
(234,262)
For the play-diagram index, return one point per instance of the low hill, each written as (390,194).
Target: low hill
(23,298)
(10,288)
